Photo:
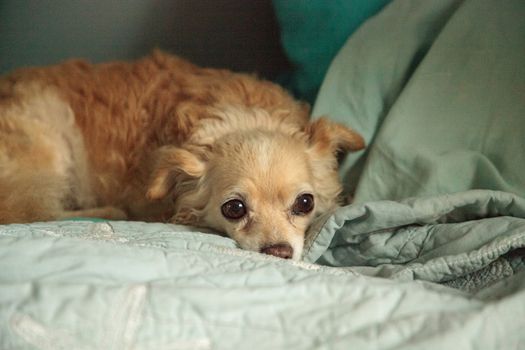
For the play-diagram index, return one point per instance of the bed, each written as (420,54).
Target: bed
(430,254)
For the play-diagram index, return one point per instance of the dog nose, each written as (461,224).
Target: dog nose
(281,250)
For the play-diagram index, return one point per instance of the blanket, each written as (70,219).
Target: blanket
(437,89)
(422,273)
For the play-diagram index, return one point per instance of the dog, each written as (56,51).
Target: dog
(161,139)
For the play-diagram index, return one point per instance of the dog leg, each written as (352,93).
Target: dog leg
(109,213)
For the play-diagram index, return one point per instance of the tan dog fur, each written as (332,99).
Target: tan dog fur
(160,139)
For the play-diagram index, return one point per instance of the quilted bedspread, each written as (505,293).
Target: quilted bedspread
(417,274)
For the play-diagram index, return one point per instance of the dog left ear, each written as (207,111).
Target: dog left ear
(335,138)
(173,165)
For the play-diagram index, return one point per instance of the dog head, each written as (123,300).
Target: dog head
(260,186)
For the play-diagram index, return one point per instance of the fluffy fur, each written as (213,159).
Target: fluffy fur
(161,139)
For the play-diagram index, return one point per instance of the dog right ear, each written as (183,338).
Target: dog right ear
(173,165)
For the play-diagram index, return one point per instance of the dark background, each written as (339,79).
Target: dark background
(242,35)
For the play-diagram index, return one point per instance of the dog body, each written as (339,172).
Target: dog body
(161,139)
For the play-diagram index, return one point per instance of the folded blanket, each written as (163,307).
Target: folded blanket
(468,240)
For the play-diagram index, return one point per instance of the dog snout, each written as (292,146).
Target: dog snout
(281,250)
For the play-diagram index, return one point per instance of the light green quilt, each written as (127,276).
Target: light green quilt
(438,90)
(427,258)
(124,285)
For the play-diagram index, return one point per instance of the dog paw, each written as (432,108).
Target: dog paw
(111,213)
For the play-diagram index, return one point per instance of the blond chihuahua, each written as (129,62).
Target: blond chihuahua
(160,139)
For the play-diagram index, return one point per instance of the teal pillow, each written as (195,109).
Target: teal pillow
(312,32)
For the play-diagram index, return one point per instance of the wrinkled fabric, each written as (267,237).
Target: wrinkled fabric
(437,239)
(437,89)
(130,285)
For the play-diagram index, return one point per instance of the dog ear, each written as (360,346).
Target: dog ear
(335,138)
(173,165)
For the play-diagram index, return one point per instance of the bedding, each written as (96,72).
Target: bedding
(437,90)
(428,264)
(131,285)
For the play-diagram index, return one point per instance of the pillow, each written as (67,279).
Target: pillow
(438,95)
(311,34)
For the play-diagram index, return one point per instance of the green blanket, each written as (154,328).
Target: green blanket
(125,285)
(468,240)
(438,90)
(430,255)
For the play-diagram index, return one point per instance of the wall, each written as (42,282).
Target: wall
(238,34)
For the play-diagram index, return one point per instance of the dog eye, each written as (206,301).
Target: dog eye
(303,204)
(233,209)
